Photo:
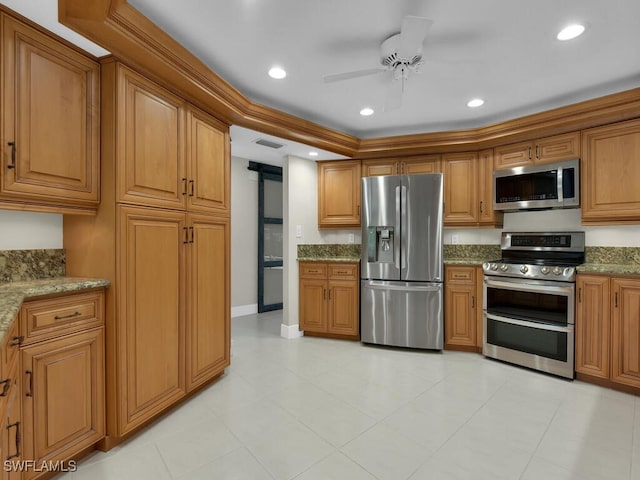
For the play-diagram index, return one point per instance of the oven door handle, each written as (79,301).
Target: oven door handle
(523,323)
(529,287)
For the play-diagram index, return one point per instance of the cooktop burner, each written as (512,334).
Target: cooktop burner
(544,256)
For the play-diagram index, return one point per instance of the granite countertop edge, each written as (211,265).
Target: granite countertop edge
(13,294)
(330,259)
(609,268)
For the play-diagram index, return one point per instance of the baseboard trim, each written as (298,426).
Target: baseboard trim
(290,331)
(242,310)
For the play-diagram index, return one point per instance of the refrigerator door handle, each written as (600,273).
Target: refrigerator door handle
(403,226)
(397,235)
(416,288)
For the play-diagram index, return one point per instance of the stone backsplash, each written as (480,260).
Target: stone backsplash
(24,265)
(329,250)
(471,252)
(613,255)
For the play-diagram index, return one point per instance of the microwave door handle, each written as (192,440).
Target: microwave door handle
(559,186)
(528,287)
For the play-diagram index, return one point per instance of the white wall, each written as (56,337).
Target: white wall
(550,220)
(29,230)
(244,237)
(300,181)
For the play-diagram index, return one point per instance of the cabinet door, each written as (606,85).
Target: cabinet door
(610,172)
(423,164)
(11,428)
(373,168)
(513,155)
(344,307)
(593,325)
(150,320)
(313,305)
(460,188)
(50,119)
(625,332)
(339,194)
(208,163)
(63,396)
(558,148)
(460,315)
(486,214)
(208,310)
(150,149)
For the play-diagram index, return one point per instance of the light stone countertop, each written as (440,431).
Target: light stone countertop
(330,259)
(13,294)
(609,268)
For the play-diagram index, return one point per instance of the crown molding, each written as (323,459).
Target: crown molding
(136,41)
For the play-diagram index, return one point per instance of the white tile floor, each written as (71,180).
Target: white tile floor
(318,409)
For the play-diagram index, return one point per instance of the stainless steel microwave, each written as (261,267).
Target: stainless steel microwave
(551,185)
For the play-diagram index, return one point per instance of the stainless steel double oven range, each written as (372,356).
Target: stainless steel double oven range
(529,298)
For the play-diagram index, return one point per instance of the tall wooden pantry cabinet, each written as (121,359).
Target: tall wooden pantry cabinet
(162,236)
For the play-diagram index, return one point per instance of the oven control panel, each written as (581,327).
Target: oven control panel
(542,272)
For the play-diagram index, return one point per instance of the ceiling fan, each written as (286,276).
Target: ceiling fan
(400,54)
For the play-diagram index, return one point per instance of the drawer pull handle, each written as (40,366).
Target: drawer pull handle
(30,392)
(341,272)
(192,184)
(191,231)
(313,271)
(6,387)
(15,341)
(184,186)
(17,425)
(71,315)
(473,301)
(13,155)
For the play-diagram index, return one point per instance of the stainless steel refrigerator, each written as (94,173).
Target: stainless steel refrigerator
(401,289)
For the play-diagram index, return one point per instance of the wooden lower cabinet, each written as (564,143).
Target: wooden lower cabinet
(462,308)
(63,396)
(593,326)
(329,297)
(608,330)
(11,425)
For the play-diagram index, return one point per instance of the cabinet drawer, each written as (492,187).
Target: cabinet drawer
(342,271)
(462,275)
(10,347)
(313,270)
(43,319)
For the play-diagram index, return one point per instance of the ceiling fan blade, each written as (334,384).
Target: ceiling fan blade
(346,76)
(394,95)
(412,35)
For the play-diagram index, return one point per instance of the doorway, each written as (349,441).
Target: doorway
(270,236)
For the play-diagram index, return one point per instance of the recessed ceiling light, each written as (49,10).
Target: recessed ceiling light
(313,154)
(571,31)
(277,73)
(476,102)
(365,112)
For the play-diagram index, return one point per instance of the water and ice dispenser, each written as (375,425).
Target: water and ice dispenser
(380,244)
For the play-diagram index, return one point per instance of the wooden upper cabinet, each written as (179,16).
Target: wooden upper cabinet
(544,150)
(610,173)
(486,214)
(339,194)
(593,325)
(401,166)
(208,163)
(460,187)
(625,331)
(50,120)
(150,142)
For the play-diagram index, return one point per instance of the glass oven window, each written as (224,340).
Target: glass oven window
(544,343)
(530,306)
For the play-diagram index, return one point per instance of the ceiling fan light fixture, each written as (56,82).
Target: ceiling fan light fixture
(277,72)
(570,32)
(476,102)
(365,112)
